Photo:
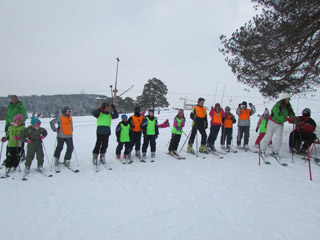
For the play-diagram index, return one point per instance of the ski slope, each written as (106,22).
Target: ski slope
(197,198)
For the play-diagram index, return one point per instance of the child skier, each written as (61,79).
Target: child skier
(200,122)
(135,122)
(227,121)
(123,133)
(262,125)
(14,149)
(104,116)
(150,133)
(244,123)
(64,135)
(178,124)
(216,115)
(33,135)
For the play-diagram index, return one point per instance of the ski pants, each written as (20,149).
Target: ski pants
(34,148)
(243,130)
(149,139)
(13,156)
(296,138)
(260,137)
(203,133)
(136,140)
(214,130)
(127,148)
(101,144)
(174,143)
(226,134)
(272,128)
(60,142)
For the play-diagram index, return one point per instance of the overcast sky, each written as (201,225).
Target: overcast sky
(70,46)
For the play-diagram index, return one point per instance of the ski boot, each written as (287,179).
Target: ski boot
(40,168)
(153,154)
(246,147)
(203,149)
(7,171)
(67,163)
(144,155)
(26,170)
(95,159)
(118,156)
(102,158)
(190,149)
(56,162)
(263,155)
(138,154)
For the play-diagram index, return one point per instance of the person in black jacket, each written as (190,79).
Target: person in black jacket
(104,116)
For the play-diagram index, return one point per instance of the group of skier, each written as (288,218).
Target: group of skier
(130,131)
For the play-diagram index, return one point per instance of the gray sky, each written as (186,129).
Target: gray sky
(71,46)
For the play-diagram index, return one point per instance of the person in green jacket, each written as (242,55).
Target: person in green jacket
(123,133)
(13,108)
(279,115)
(15,146)
(33,135)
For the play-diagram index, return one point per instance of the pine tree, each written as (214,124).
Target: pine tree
(278,51)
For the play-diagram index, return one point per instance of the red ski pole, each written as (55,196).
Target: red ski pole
(259,153)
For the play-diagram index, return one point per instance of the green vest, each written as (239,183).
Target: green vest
(174,130)
(124,134)
(104,120)
(263,125)
(151,126)
(14,131)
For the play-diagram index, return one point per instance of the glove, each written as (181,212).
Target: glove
(42,137)
(178,128)
(29,141)
(113,107)
(257,129)
(156,136)
(250,104)
(17,138)
(205,125)
(239,106)
(58,130)
(3,139)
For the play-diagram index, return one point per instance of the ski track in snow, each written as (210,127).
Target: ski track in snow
(195,198)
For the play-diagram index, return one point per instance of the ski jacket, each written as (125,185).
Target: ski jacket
(178,124)
(244,116)
(150,126)
(136,122)
(13,110)
(123,132)
(104,120)
(12,132)
(216,117)
(228,121)
(305,124)
(65,126)
(33,133)
(199,116)
(280,112)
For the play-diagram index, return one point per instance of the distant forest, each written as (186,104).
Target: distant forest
(81,104)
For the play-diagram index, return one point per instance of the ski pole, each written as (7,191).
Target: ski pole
(45,151)
(185,140)
(1,151)
(54,147)
(259,153)
(170,139)
(292,142)
(197,150)
(309,164)
(75,153)
(23,150)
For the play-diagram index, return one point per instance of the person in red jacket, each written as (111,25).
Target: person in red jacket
(303,132)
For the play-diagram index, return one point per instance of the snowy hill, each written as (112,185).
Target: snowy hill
(196,198)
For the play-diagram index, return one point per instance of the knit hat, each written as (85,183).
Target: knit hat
(123,116)
(306,112)
(151,110)
(244,103)
(137,109)
(227,108)
(65,109)
(266,111)
(285,96)
(180,110)
(200,99)
(18,117)
(35,120)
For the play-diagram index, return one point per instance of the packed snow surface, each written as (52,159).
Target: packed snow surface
(197,198)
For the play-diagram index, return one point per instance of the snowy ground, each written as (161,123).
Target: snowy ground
(196,198)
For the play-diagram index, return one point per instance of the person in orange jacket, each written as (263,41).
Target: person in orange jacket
(227,121)
(216,114)
(135,122)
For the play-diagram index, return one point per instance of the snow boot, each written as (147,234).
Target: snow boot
(190,149)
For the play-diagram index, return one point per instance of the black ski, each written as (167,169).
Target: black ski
(176,156)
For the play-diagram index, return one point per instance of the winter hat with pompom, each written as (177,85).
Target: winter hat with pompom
(18,117)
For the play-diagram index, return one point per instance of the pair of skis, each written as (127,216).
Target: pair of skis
(25,176)
(57,168)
